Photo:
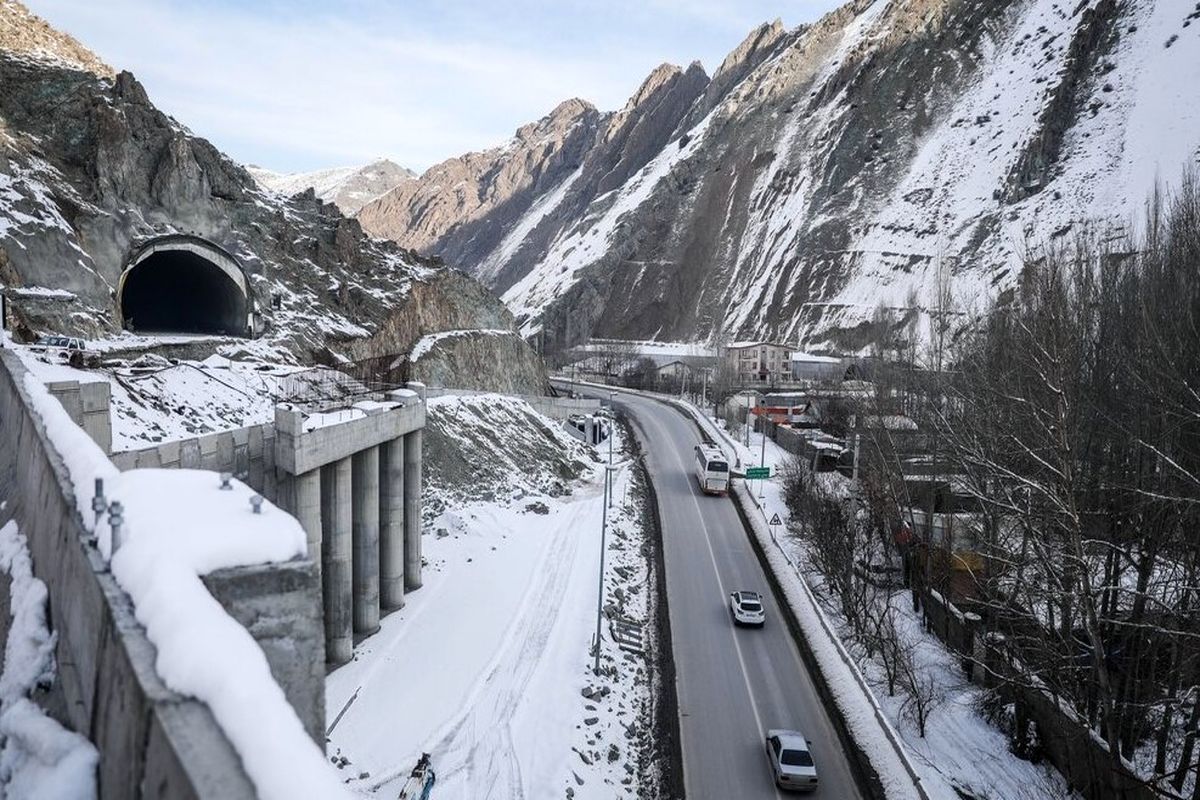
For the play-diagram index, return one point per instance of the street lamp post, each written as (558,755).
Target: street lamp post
(600,591)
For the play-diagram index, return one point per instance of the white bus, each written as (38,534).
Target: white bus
(712,470)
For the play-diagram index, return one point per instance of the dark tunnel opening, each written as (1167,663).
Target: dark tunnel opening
(178,291)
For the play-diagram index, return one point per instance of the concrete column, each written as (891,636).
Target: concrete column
(412,510)
(391,524)
(336,557)
(365,524)
(306,507)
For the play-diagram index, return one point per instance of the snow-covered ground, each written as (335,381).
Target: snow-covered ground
(487,667)
(157,400)
(961,754)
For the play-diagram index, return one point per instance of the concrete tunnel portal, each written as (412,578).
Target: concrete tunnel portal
(184,284)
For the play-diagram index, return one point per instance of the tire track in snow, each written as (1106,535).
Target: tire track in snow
(477,749)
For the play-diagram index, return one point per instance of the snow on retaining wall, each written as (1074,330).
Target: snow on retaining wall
(40,758)
(176,531)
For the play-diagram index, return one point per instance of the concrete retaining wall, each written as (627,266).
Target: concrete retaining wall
(88,405)
(279,605)
(153,743)
(553,407)
(248,453)
(283,461)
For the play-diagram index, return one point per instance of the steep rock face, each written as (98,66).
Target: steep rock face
(499,242)
(889,149)
(89,169)
(458,358)
(348,188)
(451,196)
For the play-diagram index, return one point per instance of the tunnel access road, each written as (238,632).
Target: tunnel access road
(732,684)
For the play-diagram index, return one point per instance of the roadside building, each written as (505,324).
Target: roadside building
(675,369)
(759,362)
(790,408)
(810,367)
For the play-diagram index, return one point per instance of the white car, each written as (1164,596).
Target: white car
(747,608)
(791,761)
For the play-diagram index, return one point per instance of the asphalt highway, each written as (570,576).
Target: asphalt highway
(732,683)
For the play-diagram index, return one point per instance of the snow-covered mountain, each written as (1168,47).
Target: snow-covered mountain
(822,171)
(91,171)
(349,188)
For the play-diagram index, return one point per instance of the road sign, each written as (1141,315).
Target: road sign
(758,472)
(775,520)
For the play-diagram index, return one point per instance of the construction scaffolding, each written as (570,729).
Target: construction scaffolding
(323,387)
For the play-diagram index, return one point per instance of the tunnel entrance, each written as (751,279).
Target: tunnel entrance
(184,287)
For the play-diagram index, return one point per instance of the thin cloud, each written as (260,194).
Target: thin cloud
(296,86)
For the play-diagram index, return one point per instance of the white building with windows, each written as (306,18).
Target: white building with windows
(760,362)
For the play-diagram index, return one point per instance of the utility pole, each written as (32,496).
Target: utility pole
(762,458)
(855,490)
(748,421)
(600,592)
(855,502)
(704,390)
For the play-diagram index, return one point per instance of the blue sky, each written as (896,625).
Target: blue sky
(304,85)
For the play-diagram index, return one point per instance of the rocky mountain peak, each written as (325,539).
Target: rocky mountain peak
(349,188)
(761,39)
(130,89)
(825,169)
(26,34)
(560,119)
(571,109)
(658,77)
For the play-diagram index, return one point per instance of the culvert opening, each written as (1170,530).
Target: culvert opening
(180,291)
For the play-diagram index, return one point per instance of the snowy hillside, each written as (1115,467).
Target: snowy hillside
(349,188)
(862,160)
(513,507)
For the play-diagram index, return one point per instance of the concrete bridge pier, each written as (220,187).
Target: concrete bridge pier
(306,505)
(365,513)
(356,489)
(412,510)
(391,524)
(336,557)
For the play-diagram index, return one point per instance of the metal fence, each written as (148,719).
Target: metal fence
(323,387)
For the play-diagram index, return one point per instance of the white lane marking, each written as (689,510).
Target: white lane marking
(632,399)
(791,644)
(721,584)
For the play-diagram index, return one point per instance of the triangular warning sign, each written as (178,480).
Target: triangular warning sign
(775,520)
